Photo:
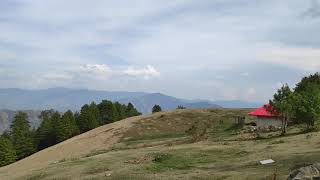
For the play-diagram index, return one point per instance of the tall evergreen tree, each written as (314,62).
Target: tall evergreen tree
(61,127)
(72,121)
(131,111)
(88,118)
(7,152)
(108,112)
(45,134)
(22,136)
(121,111)
(66,127)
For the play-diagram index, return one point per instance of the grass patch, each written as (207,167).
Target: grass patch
(186,159)
(37,176)
(142,139)
(97,152)
(96,170)
(278,142)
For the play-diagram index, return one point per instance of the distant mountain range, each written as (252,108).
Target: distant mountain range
(62,99)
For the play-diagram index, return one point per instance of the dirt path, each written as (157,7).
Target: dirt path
(100,138)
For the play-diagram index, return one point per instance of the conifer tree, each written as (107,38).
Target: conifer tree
(7,152)
(22,136)
(156,108)
(66,127)
(131,111)
(62,128)
(88,118)
(45,134)
(121,111)
(108,112)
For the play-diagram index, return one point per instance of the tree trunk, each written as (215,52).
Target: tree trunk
(284,125)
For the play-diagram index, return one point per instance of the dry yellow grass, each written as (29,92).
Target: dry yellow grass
(157,147)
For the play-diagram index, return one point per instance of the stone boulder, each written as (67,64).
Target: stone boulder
(311,172)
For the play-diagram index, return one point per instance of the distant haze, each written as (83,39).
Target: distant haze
(63,99)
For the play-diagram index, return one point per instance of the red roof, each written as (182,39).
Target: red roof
(263,112)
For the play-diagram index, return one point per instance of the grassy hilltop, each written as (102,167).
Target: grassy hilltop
(181,144)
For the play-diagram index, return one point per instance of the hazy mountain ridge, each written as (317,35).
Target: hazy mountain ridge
(146,102)
(62,99)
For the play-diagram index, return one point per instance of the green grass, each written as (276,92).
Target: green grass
(97,152)
(151,137)
(185,159)
(37,176)
(96,170)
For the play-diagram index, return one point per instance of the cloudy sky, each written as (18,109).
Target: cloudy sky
(208,49)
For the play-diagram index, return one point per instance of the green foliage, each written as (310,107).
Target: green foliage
(55,128)
(307,105)
(21,136)
(66,127)
(302,105)
(45,134)
(7,151)
(88,117)
(156,108)
(282,104)
(108,112)
(121,111)
(132,111)
(304,84)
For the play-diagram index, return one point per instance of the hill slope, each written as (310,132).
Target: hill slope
(158,146)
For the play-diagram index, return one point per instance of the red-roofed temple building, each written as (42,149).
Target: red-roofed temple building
(265,118)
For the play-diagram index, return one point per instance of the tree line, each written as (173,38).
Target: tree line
(22,141)
(300,104)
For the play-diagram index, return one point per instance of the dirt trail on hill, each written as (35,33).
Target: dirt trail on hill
(100,138)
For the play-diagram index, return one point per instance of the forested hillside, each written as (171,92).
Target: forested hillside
(23,140)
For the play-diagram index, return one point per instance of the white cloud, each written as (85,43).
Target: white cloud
(297,57)
(97,69)
(145,72)
(204,41)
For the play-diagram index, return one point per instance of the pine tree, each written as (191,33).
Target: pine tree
(156,108)
(7,152)
(88,118)
(95,114)
(45,134)
(121,111)
(22,136)
(73,124)
(108,112)
(66,127)
(131,111)
(62,128)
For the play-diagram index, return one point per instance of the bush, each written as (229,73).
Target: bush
(156,108)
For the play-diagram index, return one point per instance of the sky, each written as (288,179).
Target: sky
(195,49)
